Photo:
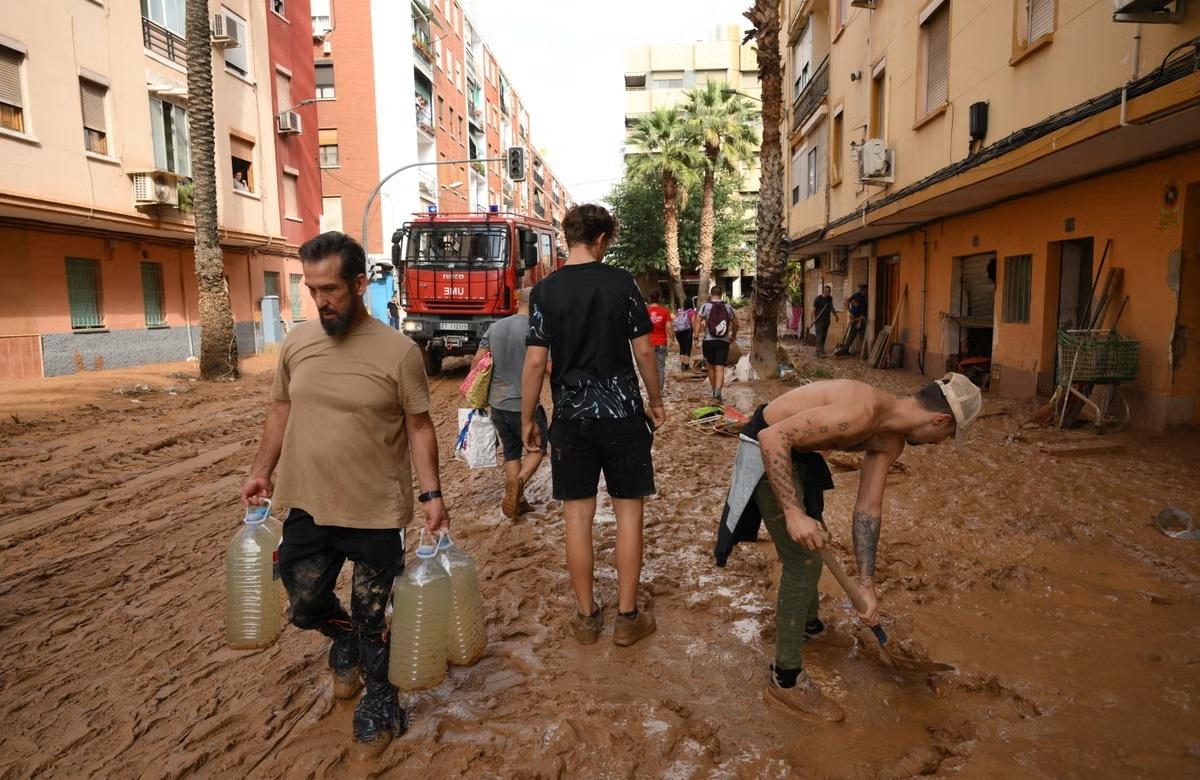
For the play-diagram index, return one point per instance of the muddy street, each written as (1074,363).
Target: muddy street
(1073,624)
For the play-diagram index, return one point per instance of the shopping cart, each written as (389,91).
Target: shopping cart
(1087,358)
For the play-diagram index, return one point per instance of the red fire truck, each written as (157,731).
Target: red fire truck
(459,273)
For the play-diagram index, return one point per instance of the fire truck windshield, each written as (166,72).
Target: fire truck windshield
(454,245)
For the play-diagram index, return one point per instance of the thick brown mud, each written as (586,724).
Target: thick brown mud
(1072,622)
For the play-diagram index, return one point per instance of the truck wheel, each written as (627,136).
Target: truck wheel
(433,361)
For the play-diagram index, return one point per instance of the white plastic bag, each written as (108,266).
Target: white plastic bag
(476,443)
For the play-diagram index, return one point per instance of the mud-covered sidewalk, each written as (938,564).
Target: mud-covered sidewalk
(1073,623)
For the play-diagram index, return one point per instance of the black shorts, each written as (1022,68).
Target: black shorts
(581,449)
(716,352)
(684,337)
(508,427)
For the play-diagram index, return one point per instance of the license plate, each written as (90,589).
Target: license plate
(453,326)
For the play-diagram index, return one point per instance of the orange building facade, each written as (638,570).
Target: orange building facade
(981,185)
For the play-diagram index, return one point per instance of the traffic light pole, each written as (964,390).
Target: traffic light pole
(378,187)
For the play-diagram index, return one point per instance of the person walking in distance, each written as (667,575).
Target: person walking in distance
(856,309)
(718,322)
(583,317)
(659,317)
(505,341)
(348,420)
(822,309)
(684,324)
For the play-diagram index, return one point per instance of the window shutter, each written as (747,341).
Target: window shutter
(937,58)
(83,292)
(158,133)
(1041,18)
(283,92)
(291,206)
(152,294)
(183,149)
(91,96)
(324,74)
(10,77)
(327,137)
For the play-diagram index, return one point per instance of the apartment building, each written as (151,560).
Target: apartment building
(94,182)
(464,110)
(659,75)
(981,165)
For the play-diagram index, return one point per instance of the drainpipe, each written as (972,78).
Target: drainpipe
(1133,70)
(924,295)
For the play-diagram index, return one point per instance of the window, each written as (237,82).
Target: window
(83,293)
(843,12)
(797,170)
(95,132)
(283,91)
(835,148)
(270,283)
(637,81)
(811,169)
(331,213)
(241,159)
(279,7)
(878,118)
(327,143)
(294,281)
(152,295)
(322,21)
(291,197)
(668,83)
(935,46)
(802,61)
(325,81)
(1040,19)
(1018,275)
(165,13)
(12,102)
(237,58)
(169,129)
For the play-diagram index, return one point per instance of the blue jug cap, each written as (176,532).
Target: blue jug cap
(426,551)
(256,514)
(444,542)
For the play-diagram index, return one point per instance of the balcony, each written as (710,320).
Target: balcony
(424,118)
(163,42)
(427,185)
(539,209)
(538,177)
(423,47)
(811,96)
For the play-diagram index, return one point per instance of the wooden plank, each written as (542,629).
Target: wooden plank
(20,357)
(1086,448)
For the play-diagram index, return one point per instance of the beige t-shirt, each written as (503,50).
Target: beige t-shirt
(345,456)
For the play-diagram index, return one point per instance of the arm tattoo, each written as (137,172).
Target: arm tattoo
(779,470)
(866,540)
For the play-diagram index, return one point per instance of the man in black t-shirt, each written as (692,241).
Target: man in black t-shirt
(583,318)
(822,308)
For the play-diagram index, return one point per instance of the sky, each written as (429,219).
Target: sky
(567,65)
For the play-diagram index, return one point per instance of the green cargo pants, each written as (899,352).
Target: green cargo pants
(797,603)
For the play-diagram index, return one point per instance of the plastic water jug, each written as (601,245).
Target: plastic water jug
(275,526)
(252,607)
(467,636)
(420,618)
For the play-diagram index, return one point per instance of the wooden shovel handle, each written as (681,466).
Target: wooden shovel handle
(835,566)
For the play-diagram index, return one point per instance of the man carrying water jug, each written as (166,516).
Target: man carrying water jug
(348,420)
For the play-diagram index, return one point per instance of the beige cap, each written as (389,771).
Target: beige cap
(966,402)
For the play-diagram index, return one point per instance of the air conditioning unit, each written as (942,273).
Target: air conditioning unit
(224,32)
(876,163)
(289,122)
(1149,11)
(839,262)
(154,188)
(864,3)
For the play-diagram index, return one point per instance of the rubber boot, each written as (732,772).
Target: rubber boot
(345,657)
(378,716)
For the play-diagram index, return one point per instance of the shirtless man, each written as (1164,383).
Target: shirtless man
(835,415)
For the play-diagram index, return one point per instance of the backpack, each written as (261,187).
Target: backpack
(717,319)
(683,320)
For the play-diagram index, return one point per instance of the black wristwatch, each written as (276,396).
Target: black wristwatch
(425,498)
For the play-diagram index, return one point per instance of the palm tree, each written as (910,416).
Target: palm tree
(724,123)
(218,341)
(666,150)
(771,256)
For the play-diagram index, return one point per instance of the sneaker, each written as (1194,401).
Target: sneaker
(379,716)
(805,699)
(626,631)
(512,497)
(586,628)
(525,508)
(813,629)
(345,662)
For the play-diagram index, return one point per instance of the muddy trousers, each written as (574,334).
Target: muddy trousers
(798,598)
(310,559)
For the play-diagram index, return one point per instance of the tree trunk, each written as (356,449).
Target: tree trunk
(671,228)
(707,222)
(771,255)
(218,340)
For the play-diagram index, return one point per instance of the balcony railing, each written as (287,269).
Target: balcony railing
(422,47)
(424,116)
(539,209)
(427,184)
(538,178)
(811,96)
(163,42)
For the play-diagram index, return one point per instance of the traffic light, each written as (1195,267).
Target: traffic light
(516,163)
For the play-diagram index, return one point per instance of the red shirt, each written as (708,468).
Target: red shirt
(659,317)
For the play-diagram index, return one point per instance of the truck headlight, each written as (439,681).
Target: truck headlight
(412,326)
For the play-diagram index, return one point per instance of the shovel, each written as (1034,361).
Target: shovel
(899,662)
